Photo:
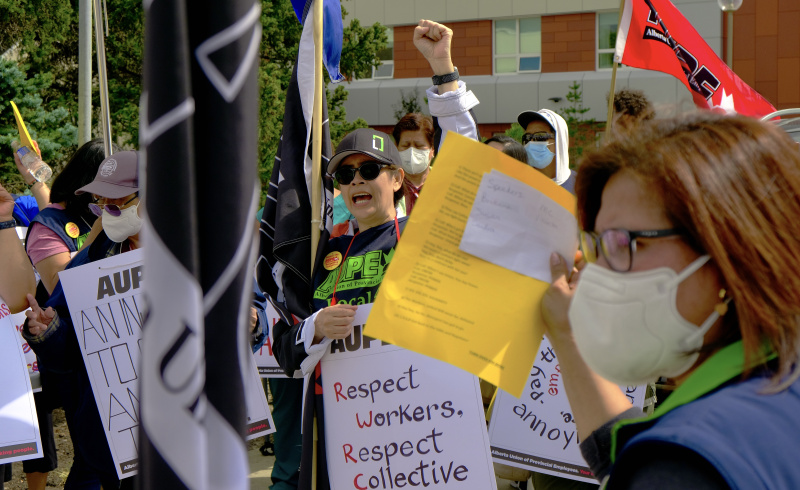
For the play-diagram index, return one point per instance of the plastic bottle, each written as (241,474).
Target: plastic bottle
(38,168)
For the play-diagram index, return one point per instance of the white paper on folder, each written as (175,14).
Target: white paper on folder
(516,226)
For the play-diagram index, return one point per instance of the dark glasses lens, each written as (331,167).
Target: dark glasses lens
(112,209)
(540,136)
(368,171)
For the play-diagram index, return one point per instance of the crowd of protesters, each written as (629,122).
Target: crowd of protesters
(687,272)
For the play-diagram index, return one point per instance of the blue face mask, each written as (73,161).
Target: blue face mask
(539,156)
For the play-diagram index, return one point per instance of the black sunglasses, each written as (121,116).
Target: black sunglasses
(368,171)
(112,209)
(540,136)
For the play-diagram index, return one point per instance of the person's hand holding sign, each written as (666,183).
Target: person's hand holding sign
(38,319)
(334,322)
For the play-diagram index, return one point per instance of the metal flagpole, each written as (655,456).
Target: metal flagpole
(84,71)
(105,116)
(610,115)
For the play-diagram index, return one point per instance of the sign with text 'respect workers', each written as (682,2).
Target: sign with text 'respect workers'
(19,426)
(446,303)
(537,430)
(395,418)
(265,360)
(107,308)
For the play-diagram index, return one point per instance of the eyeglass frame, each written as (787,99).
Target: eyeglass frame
(113,209)
(597,241)
(538,136)
(353,171)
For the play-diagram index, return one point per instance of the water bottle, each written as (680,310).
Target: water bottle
(39,169)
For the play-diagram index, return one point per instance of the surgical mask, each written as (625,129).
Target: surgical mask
(539,155)
(627,326)
(415,161)
(127,224)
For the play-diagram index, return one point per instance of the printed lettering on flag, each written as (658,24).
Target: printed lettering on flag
(654,35)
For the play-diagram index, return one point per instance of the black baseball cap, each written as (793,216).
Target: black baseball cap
(366,141)
(528,117)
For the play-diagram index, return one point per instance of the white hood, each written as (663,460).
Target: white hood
(562,144)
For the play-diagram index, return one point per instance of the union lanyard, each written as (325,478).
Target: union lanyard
(344,259)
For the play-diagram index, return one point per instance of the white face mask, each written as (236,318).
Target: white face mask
(627,326)
(119,228)
(415,161)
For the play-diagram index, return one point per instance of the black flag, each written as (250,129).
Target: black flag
(198,127)
(284,265)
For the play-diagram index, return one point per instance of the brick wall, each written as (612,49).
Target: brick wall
(471,50)
(568,43)
(766,49)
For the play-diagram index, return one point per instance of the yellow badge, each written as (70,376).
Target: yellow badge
(72,230)
(332,261)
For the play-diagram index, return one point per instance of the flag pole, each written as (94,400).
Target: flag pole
(316,180)
(316,135)
(102,76)
(610,115)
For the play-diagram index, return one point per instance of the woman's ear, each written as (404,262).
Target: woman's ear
(399,175)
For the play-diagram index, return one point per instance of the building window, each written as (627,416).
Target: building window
(518,45)
(386,55)
(607,24)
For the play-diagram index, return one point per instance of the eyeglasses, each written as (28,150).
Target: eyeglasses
(540,136)
(618,246)
(112,209)
(368,171)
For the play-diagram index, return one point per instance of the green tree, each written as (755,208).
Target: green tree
(409,102)
(515,131)
(582,132)
(279,45)
(45,33)
(50,128)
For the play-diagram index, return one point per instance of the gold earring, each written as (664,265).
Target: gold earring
(722,306)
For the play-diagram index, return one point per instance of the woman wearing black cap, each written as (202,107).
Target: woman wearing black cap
(368,169)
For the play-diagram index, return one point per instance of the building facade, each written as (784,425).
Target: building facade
(524,54)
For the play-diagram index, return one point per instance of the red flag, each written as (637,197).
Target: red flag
(655,36)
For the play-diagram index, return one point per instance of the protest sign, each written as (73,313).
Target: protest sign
(396,418)
(31,363)
(537,430)
(19,426)
(442,302)
(265,360)
(106,306)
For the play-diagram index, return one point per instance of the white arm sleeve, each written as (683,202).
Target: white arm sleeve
(452,110)
(315,352)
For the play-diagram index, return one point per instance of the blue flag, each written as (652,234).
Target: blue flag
(332,30)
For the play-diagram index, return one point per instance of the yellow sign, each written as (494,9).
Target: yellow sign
(24,137)
(448,304)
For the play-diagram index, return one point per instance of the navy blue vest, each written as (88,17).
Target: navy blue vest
(57,220)
(751,438)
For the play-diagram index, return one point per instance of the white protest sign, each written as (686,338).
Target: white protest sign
(265,360)
(537,431)
(107,309)
(259,418)
(19,426)
(516,226)
(395,418)
(30,357)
